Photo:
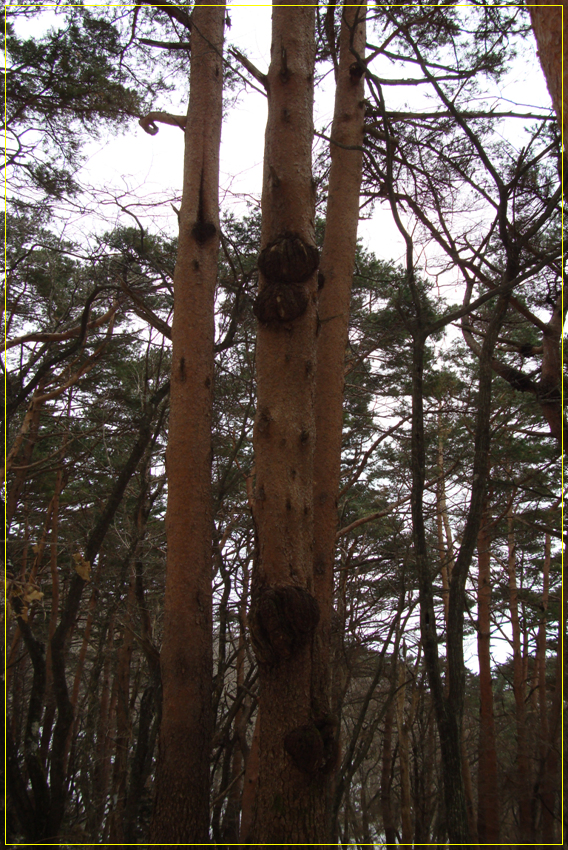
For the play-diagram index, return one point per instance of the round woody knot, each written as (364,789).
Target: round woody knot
(286,264)
(288,259)
(305,747)
(280,302)
(282,620)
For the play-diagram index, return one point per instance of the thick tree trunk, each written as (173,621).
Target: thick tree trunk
(487,786)
(546,22)
(181,811)
(289,803)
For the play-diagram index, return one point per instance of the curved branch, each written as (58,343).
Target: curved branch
(148,122)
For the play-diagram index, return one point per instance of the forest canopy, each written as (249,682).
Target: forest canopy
(283,507)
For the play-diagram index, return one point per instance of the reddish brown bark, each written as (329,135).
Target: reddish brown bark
(336,274)
(487,785)
(181,811)
(288,806)
(547,22)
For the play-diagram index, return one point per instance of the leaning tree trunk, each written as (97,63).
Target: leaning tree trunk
(181,811)
(289,802)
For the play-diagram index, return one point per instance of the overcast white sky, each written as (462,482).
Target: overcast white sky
(136,163)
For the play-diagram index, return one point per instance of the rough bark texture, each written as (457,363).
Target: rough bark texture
(181,812)
(288,805)
(546,22)
(488,789)
(336,274)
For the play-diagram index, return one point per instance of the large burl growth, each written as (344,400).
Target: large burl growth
(285,264)
(282,620)
(314,747)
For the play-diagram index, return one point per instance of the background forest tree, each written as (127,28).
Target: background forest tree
(441,531)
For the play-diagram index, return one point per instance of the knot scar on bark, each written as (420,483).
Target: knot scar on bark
(284,72)
(356,71)
(282,620)
(202,230)
(314,747)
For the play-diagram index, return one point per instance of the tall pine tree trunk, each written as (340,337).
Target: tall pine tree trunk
(288,806)
(181,812)
(336,274)
(488,789)
(546,22)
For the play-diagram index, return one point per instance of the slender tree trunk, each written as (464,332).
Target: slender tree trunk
(181,811)
(449,723)
(249,784)
(404,759)
(336,274)
(102,751)
(290,792)
(445,546)
(122,738)
(335,279)
(524,796)
(386,777)
(551,784)
(487,785)
(547,806)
